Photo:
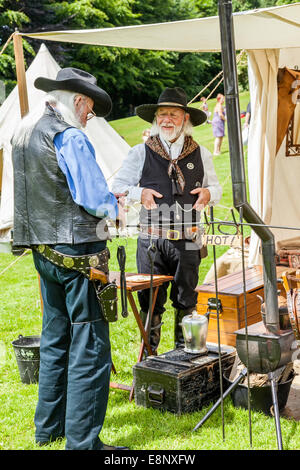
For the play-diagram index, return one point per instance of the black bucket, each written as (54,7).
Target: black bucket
(261,397)
(27,351)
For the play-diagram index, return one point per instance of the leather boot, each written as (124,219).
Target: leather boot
(154,332)
(178,334)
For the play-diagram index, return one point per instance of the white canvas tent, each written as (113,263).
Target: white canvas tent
(271,37)
(109,146)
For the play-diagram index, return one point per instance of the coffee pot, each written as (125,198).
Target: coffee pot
(194,329)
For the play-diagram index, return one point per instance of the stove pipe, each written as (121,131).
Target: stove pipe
(237,165)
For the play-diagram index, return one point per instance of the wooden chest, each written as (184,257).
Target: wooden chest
(180,382)
(231,298)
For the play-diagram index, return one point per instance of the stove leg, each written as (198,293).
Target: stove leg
(276,410)
(218,403)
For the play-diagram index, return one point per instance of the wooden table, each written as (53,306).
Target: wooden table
(131,287)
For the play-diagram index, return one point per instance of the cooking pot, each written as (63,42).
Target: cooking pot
(194,329)
(284,318)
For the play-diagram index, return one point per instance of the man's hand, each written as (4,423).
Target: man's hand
(121,218)
(147,198)
(203,198)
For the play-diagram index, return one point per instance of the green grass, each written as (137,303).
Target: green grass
(125,423)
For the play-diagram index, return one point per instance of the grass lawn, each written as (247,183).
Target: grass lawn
(125,424)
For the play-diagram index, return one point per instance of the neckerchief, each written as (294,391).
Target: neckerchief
(174,172)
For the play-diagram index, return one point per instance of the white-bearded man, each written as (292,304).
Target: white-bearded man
(174,179)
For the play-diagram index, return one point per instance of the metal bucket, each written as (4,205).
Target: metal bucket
(27,352)
(261,397)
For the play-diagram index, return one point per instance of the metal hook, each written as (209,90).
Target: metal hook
(235,223)
(226,233)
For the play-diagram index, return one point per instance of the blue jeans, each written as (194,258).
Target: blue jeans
(75,357)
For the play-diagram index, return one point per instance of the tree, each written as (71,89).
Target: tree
(9,20)
(130,76)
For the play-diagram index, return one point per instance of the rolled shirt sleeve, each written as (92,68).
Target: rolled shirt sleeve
(76,159)
(129,175)
(210,179)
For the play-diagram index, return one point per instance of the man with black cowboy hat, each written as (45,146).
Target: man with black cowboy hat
(174,179)
(61,203)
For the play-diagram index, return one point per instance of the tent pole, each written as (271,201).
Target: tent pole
(20,70)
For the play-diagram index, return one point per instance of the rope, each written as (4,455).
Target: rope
(203,89)
(18,258)
(217,76)
(116,171)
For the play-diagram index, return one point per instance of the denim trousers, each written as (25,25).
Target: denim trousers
(75,356)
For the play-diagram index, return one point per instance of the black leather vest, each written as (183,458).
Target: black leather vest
(171,209)
(44,211)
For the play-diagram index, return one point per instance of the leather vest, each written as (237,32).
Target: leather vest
(172,209)
(44,211)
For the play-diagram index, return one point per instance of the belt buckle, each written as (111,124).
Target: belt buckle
(176,232)
(192,233)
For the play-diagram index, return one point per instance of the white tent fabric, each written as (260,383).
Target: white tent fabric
(273,179)
(268,28)
(109,146)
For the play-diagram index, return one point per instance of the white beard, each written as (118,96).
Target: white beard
(156,130)
(69,115)
(167,136)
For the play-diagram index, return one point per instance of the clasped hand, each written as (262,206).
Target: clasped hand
(149,203)
(203,198)
(121,217)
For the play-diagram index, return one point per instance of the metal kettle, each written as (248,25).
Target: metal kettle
(194,329)
(284,318)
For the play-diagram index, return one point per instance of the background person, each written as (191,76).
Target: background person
(145,134)
(245,132)
(205,109)
(218,124)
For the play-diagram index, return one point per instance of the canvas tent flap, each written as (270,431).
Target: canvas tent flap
(268,28)
(273,177)
(110,148)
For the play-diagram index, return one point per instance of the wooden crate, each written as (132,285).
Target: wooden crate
(231,296)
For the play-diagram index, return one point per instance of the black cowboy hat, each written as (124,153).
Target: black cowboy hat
(175,98)
(78,81)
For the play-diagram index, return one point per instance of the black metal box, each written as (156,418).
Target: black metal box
(180,382)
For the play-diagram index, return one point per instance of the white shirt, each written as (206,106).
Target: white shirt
(129,175)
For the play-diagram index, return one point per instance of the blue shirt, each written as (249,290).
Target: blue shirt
(76,159)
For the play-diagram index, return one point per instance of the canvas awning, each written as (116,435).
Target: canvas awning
(268,28)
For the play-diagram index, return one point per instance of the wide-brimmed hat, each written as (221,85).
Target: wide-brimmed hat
(171,97)
(78,81)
